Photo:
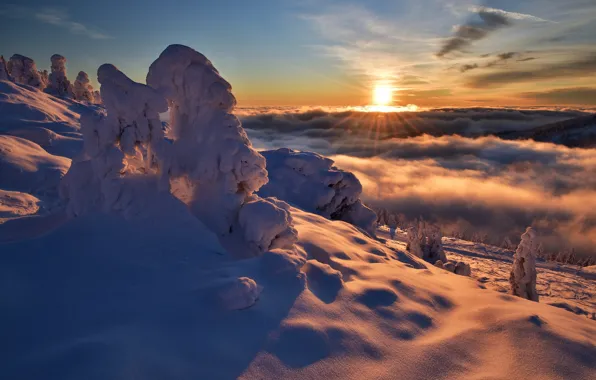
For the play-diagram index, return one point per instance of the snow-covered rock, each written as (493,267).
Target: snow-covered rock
(82,88)
(24,71)
(311,182)
(59,84)
(523,273)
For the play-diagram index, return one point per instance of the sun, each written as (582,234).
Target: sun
(382,95)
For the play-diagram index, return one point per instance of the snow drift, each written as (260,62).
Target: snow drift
(311,182)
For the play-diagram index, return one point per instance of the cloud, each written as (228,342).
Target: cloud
(470,184)
(474,30)
(574,95)
(510,15)
(500,58)
(583,67)
(60,18)
(52,16)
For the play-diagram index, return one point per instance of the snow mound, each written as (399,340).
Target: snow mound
(23,108)
(28,168)
(15,204)
(311,182)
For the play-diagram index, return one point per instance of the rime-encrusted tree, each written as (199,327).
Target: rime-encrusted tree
(211,149)
(4,75)
(58,82)
(523,273)
(424,241)
(24,71)
(82,88)
(116,141)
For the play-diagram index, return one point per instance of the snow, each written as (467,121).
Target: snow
(15,204)
(27,167)
(141,285)
(311,182)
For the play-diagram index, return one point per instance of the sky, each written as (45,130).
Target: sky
(333,53)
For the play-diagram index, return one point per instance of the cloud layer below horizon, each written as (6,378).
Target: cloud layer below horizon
(446,171)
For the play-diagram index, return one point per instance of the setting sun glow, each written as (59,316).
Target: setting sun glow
(382,95)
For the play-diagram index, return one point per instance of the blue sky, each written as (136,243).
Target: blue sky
(307,52)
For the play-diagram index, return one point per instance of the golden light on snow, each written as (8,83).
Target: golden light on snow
(382,95)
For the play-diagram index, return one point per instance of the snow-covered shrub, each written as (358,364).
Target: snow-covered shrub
(4,75)
(24,71)
(59,84)
(311,182)
(82,88)
(209,145)
(424,241)
(523,273)
(121,139)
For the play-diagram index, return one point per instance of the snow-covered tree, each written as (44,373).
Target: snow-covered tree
(97,97)
(59,84)
(209,145)
(4,75)
(118,140)
(82,88)
(424,241)
(523,273)
(311,182)
(24,71)
(206,146)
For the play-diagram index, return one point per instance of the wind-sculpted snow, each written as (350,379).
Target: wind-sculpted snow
(58,83)
(311,182)
(24,71)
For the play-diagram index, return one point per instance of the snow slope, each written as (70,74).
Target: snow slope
(101,297)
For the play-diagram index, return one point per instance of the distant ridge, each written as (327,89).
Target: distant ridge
(579,132)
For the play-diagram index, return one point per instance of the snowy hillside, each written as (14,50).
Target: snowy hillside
(130,250)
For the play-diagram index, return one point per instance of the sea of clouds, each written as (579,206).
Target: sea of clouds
(444,166)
